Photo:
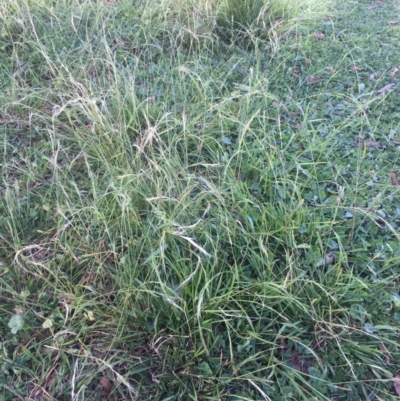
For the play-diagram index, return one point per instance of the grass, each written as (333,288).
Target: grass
(185,215)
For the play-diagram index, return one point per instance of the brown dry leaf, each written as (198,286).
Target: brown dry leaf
(141,350)
(300,363)
(49,105)
(294,114)
(371,144)
(106,384)
(88,278)
(376,5)
(385,351)
(394,179)
(374,144)
(18,72)
(382,347)
(393,72)
(21,66)
(347,84)
(396,383)
(53,161)
(319,36)
(119,42)
(295,360)
(355,68)
(386,87)
(314,80)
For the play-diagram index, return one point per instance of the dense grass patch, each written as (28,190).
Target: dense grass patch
(198,201)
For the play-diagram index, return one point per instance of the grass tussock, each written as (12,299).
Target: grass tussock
(184,214)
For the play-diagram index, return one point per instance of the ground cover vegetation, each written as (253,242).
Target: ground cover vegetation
(199,200)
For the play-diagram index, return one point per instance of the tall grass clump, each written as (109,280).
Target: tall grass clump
(206,23)
(180,219)
(254,20)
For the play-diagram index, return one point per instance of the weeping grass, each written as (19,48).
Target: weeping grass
(179,218)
